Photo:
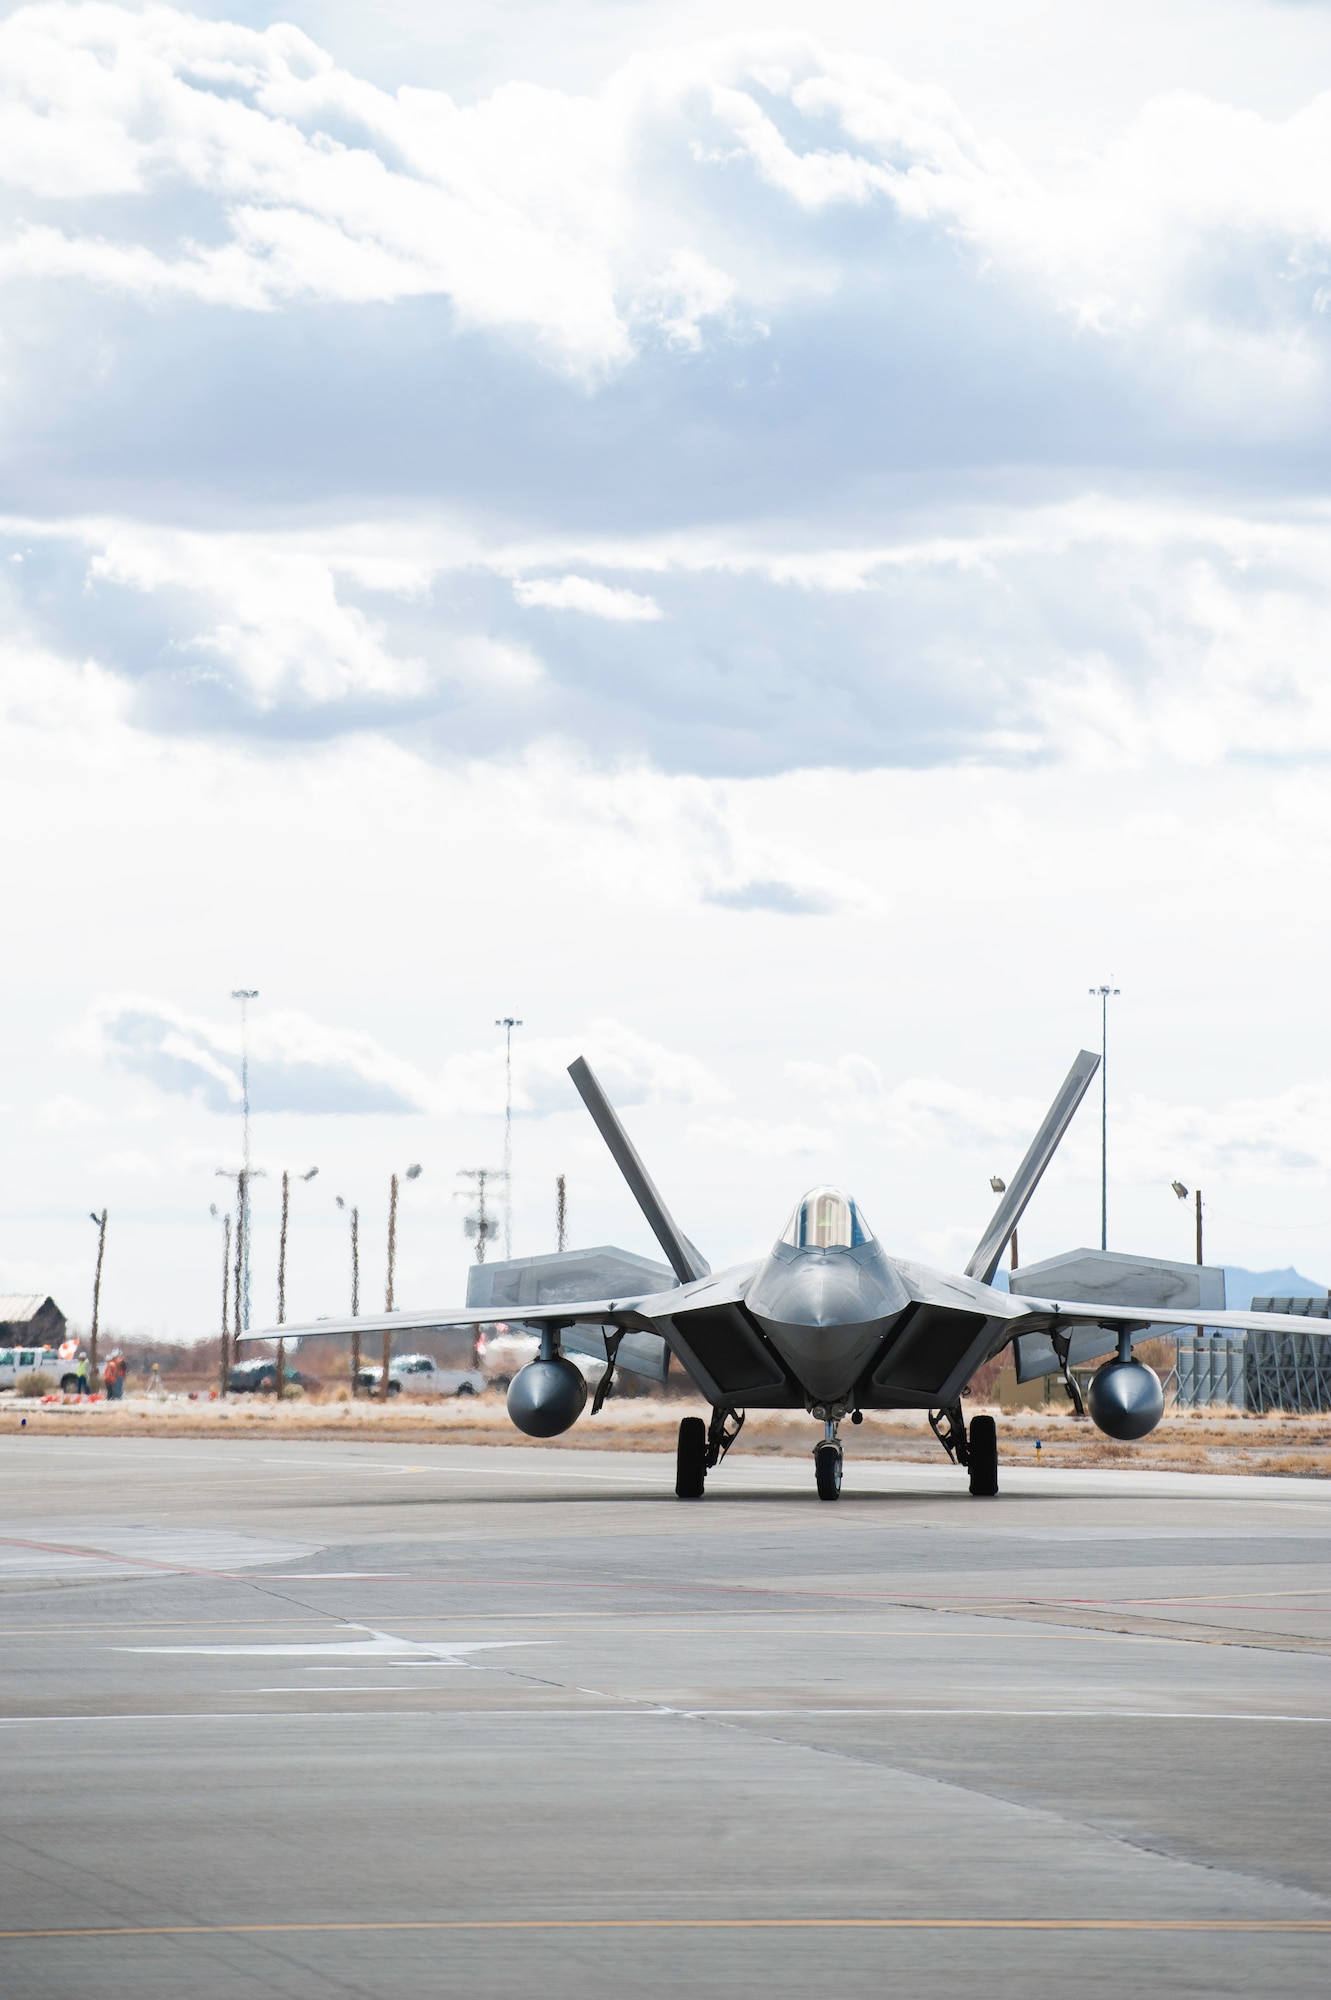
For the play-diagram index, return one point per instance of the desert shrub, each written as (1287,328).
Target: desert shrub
(36,1384)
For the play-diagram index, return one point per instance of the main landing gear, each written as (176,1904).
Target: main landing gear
(976,1447)
(700,1447)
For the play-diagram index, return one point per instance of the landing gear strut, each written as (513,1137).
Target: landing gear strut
(724,1428)
(949,1427)
(976,1448)
(827,1463)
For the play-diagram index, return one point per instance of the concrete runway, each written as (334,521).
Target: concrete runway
(319,1719)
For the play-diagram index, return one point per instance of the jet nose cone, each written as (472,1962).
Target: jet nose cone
(826,1311)
(825,1288)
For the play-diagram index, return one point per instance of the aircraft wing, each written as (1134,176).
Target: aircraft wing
(641,1314)
(621,1313)
(1049,1316)
(1085,1332)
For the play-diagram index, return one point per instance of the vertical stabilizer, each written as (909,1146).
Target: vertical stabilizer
(685,1261)
(1043,1146)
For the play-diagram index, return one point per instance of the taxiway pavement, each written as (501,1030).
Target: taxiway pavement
(316,1719)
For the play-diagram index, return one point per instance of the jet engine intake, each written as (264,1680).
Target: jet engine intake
(1126,1399)
(547,1396)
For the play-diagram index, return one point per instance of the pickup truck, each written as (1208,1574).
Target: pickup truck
(15,1362)
(422,1375)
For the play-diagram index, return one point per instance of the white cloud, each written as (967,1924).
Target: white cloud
(128,1166)
(67,1114)
(761,1139)
(1102,631)
(296,1064)
(581,593)
(590,222)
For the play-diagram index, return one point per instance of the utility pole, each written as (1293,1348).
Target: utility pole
(1106,993)
(413,1173)
(245,994)
(561,1211)
(226,1281)
(241,1205)
(508,1024)
(388,1289)
(282,1250)
(242,1180)
(1199,1224)
(355,1295)
(280,1382)
(479,1225)
(100,1220)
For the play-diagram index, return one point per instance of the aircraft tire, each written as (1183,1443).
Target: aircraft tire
(827,1471)
(691,1459)
(982,1437)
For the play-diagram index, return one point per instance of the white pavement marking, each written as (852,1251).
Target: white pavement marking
(379,1646)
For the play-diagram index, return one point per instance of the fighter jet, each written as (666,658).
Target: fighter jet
(828,1321)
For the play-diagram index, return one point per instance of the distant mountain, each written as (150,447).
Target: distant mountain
(1242,1287)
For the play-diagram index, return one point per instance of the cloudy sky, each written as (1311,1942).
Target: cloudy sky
(777,544)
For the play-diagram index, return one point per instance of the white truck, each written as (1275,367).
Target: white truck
(16,1362)
(422,1375)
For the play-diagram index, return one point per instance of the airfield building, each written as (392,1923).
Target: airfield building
(27,1319)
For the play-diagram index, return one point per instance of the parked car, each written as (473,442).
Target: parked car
(260,1377)
(422,1375)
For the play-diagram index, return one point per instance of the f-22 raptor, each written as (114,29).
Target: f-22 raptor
(827,1321)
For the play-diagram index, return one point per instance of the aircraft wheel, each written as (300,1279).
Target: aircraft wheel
(982,1437)
(691,1459)
(827,1471)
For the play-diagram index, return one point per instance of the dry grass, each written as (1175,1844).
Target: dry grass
(1192,1441)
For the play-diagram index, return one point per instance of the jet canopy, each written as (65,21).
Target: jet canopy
(826,1219)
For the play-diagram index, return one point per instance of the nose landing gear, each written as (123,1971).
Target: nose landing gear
(827,1463)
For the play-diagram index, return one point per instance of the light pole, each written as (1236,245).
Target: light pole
(245,994)
(999,1186)
(355,1294)
(282,1275)
(1182,1194)
(100,1220)
(1106,993)
(412,1174)
(508,1024)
